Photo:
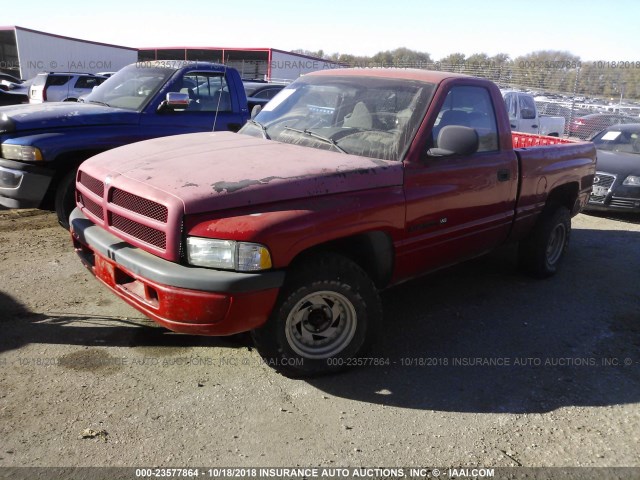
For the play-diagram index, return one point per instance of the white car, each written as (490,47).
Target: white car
(62,86)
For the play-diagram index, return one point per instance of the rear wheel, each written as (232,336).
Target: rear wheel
(327,315)
(541,253)
(65,200)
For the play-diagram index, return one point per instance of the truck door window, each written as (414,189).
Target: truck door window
(511,105)
(207,91)
(527,107)
(469,107)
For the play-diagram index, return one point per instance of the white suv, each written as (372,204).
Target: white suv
(62,87)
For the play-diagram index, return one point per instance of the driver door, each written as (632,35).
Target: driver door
(211,106)
(459,206)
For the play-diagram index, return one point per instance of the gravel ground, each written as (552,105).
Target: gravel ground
(486,368)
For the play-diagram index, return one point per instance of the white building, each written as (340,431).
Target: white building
(25,52)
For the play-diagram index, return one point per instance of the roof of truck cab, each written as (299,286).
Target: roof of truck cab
(404,73)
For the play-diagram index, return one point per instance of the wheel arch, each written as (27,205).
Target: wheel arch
(566,195)
(372,251)
(63,164)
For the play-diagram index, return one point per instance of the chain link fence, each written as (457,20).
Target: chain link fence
(589,96)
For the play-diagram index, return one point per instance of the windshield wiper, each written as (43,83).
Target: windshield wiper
(99,103)
(261,127)
(328,140)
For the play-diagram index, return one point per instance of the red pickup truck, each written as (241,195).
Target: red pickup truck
(346,183)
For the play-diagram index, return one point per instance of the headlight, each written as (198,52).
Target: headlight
(227,254)
(632,181)
(20,152)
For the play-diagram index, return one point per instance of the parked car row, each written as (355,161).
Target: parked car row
(9,78)
(66,87)
(9,82)
(588,125)
(8,97)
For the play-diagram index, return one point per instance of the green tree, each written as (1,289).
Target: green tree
(453,62)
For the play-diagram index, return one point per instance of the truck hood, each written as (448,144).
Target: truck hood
(221,170)
(620,163)
(62,114)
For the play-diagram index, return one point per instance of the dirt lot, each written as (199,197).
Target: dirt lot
(486,368)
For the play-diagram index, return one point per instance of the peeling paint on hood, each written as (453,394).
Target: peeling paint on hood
(214,171)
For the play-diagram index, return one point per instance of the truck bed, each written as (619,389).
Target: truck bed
(546,163)
(524,140)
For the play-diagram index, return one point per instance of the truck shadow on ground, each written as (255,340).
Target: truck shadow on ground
(480,337)
(22,326)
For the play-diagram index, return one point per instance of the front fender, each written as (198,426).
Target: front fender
(291,228)
(56,144)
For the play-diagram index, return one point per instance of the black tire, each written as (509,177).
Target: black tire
(65,200)
(542,252)
(339,315)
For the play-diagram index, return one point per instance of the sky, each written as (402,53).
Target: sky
(593,30)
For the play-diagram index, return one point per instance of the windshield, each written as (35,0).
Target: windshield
(368,116)
(619,140)
(130,88)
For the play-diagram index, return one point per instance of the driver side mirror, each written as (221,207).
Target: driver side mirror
(455,140)
(175,101)
(255,111)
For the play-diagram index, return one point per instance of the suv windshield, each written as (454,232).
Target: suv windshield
(130,88)
(369,116)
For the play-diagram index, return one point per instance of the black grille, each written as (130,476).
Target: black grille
(601,180)
(624,202)
(141,232)
(91,206)
(140,205)
(94,185)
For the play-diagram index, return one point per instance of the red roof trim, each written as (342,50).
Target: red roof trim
(142,49)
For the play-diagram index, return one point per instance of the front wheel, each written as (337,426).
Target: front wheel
(327,316)
(541,253)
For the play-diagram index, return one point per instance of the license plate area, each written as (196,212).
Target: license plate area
(138,289)
(599,191)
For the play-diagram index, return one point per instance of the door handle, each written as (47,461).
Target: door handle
(504,175)
(534,126)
